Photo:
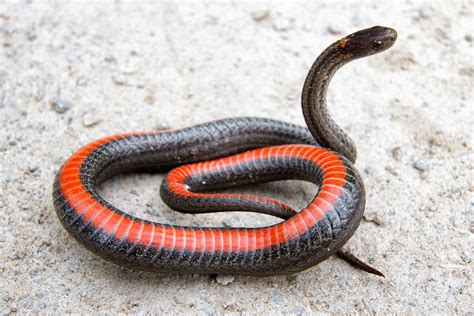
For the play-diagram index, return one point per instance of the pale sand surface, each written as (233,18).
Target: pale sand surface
(128,67)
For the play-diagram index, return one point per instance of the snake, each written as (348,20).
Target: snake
(204,159)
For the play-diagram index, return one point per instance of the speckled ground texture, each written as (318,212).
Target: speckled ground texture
(72,73)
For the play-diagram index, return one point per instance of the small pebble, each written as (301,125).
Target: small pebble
(12,142)
(162,126)
(4,296)
(89,120)
(227,305)
(226,223)
(110,58)
(31,36)
(61,105)
(278,298)
(369,170)
(281,25)
(27,303)
(425,12)
(149,99)
(424,175)
(300,310)
(374,218)
(225,279)
(397,153)
(33,168)
(119,80)
(81,81)
(260,15)
(468,38)
(422,164)
(392,170)
(427,208)
(332,29)
(471,187)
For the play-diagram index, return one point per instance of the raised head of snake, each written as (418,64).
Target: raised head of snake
(359,44)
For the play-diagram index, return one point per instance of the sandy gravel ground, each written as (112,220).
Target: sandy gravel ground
(73,73)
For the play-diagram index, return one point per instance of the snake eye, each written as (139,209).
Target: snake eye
(377,44)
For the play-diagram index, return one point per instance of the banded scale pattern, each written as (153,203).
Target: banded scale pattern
(229,153)
(304,239)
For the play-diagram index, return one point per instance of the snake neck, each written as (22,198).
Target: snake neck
(323,128)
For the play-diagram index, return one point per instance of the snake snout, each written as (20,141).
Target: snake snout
(368,42)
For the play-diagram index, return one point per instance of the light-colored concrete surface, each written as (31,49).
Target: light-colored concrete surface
(117,67)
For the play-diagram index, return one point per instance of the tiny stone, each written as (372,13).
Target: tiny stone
(393,170)
(424,13)
(81,81)
(162,126)
(374,218)
(27,303)
(31,36)
(110,58)
(5,296)
(422,164)
(226,223)
(227,305)
(369,170)
(33,168)
(89,120)
(12,142)
(424,175)
(61,106)
(300,310)
(260,15)
(471,187)
(149,99)
(281,25)
(278,298)
(225,279)
(426,208)
(397,153)
(119,79)
(465,257)
(468,38)
(332,29)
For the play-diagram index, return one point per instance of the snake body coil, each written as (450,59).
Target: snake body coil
(247,150)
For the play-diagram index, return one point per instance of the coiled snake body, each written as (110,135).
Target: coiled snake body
(222,154)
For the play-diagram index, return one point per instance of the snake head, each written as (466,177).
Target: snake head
(367,42)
